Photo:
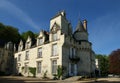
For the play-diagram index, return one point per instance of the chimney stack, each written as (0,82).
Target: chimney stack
(85,24)
(63,13)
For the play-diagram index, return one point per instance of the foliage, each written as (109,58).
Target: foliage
(103,64)
(23,67)
(33,71)
(25,35)
(114,61)
(32,35)
(60,72)
(9,33)
(2,73)
(45,74)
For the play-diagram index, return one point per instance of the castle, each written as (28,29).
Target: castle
(59,47)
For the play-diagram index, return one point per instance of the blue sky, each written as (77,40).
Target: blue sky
(103,18)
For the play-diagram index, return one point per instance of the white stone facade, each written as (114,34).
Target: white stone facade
(59,47)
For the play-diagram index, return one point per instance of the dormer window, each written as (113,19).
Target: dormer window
(27,45)
(20,48)
(40,41)
(54,36)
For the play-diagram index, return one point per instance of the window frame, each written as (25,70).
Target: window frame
(72,52)
(27,55)
(19,57)
(27,45)
(54,50)
(40,41)
(54,66)
(54,37)
(26,67)
(39,55)
(39,67)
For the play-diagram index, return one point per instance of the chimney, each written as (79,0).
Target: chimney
(63,13)
(85,24)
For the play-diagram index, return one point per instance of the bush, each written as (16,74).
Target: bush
(45,74)
(33,71)
(2,73)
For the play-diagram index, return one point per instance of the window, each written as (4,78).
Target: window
(54,66)
(54,36)
(54,50)
(39,67)
(27,45)
(27,55)
(40,41)
(72,52)
(18,69)
(72,68)
(26,68)
(19,57)
(39,53)
(19,48)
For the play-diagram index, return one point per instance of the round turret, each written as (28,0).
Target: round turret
(80,33)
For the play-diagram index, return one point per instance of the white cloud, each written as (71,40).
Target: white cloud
(18,13)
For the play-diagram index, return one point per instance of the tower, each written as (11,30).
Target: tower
(81,33)
(61,22)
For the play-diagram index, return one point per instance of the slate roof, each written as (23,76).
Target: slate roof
(80,27)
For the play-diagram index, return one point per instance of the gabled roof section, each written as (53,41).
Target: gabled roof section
(60,13)
(21,42)
(55,27)
(28,39)
(80,27)
(41,34)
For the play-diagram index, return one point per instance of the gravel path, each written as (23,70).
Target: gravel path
(16,79)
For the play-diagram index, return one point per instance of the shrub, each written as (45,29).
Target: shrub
(33,71)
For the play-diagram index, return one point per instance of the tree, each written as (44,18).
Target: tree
(114,61)
(103,64)
(9,33)
(25,35)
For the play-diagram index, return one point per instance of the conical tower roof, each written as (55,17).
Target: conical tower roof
(80,26)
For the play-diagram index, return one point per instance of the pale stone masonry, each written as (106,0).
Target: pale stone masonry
(58,47)
(7,58)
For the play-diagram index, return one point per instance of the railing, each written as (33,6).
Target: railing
(74,58)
